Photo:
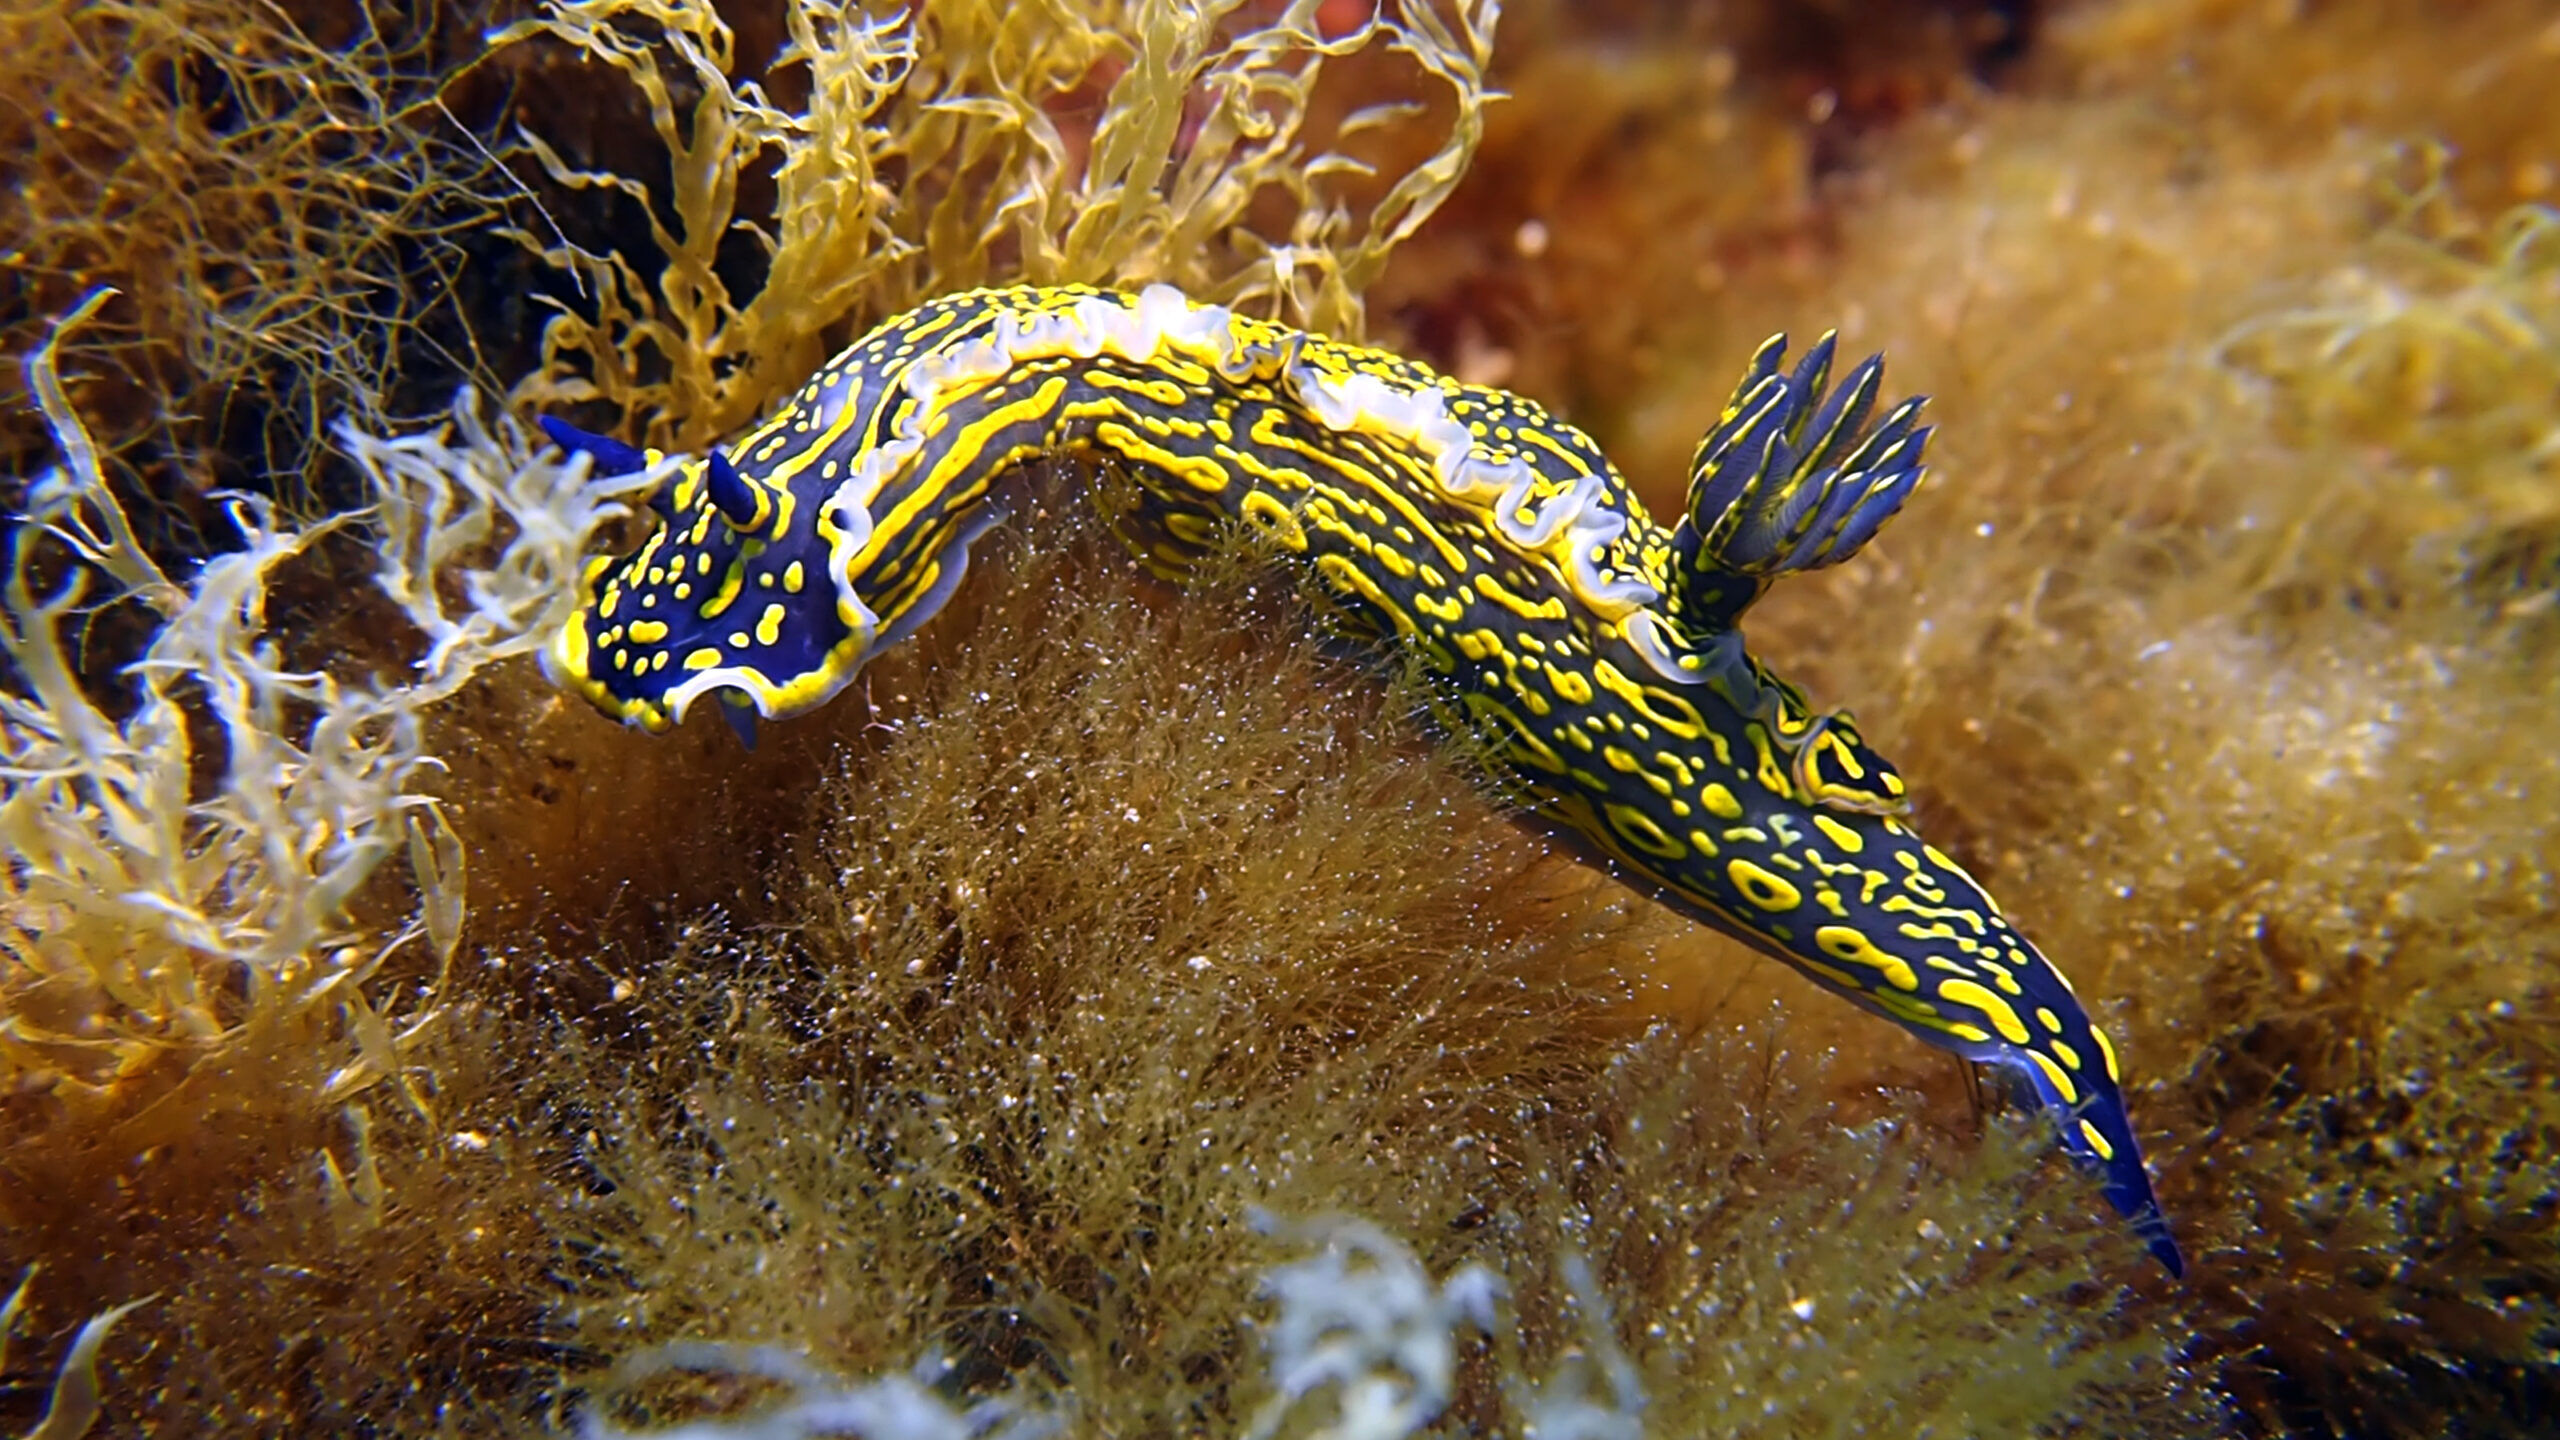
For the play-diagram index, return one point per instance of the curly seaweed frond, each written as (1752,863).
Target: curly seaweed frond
(941,151)
(148,914)
(1362,1320)
(1361,1344)
(73,1405)
(814,1403)
(2443,352)
(2428,363)
(273,189)
(1362,1323)
(440,498)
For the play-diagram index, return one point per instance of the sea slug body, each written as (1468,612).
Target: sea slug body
(1598,653)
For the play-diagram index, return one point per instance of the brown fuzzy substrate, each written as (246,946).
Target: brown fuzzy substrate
(1123,920)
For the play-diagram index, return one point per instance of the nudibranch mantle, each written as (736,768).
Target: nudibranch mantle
(1596,652)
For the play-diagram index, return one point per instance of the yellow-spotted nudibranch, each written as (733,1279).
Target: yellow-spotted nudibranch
(1596,652)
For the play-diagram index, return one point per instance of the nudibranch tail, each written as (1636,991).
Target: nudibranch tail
(2070,1066)
(1594,652)
(2002,1003)
(2098,1130)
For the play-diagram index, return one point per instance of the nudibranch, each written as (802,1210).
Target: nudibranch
(1597,653)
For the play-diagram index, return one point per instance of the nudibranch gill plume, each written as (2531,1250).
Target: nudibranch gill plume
(1596,653)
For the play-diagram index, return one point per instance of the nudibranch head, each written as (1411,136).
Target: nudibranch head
(732,594)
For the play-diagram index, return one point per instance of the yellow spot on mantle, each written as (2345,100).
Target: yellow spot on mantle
(1849,841)
(1992,1007)
(2062,1085)
(2106,1052)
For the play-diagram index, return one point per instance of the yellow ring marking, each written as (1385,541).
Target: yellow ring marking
(1640,831)
(1843,942)
(1770,892)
